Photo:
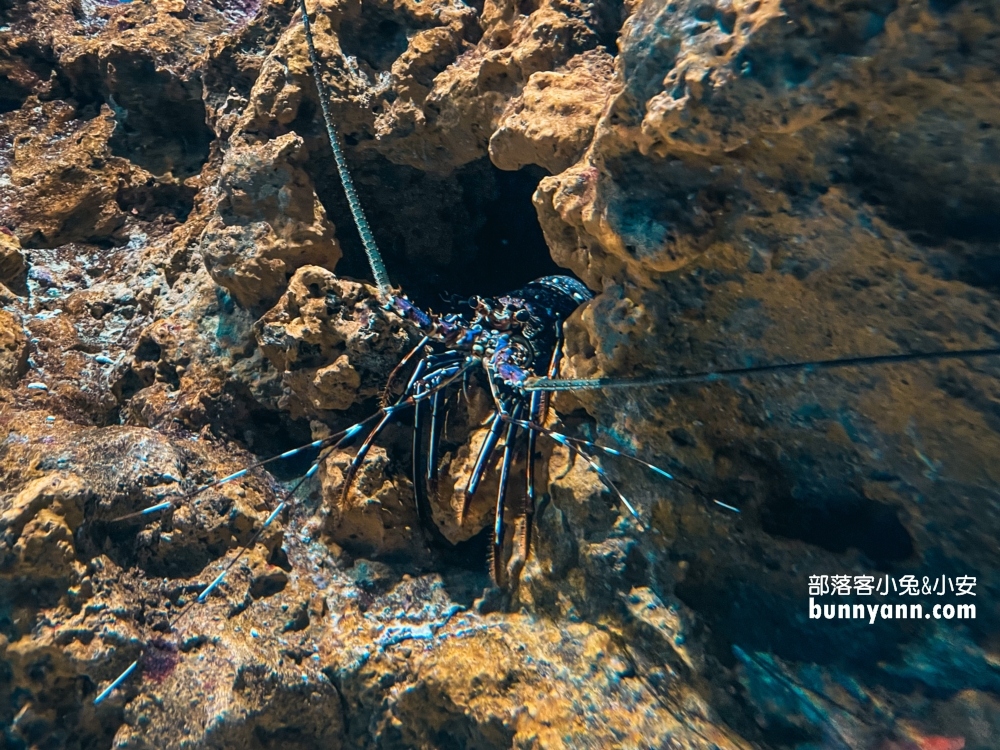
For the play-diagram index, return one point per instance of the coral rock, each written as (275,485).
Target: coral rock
(13,265)
(552,122)
(38,525)
(13,349)
(68,193)
(268,222)
(326,336)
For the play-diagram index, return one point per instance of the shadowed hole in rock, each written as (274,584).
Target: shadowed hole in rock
(474,231)
(160,126)
(375,37)
(827,512)
(271,583)
(471,556)
(36,593)
(975,263)
(607,22)
(150,367)
(129,384)
(15,89)
(840,522)
(738,605)
(976,219)
(156,197)
(161,121)
(148,351)
(237,416)
(959,222)
(509,232)
(943,6)
(121,542)
(426,716)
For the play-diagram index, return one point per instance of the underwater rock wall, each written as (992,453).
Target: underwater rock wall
(739,183)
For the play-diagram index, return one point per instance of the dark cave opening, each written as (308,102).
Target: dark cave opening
(237,416)
(161,125)
(958,225)
(928,217)
(27,66)
(165,133)
(374,37)
(161,121)
(841,523)
(609,17)
(794,501)
(13,94)
(510,240)
(473,232)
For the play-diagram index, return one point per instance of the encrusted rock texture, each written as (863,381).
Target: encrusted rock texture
(739,183)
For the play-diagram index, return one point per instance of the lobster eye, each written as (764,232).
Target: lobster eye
(522,315)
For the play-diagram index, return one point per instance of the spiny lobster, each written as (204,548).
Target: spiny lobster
(514,341)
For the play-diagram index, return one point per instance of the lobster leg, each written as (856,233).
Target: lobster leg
(418,389)
(534,415)
(537,412)
(437,423)
(426,467)
(435,444)
(359,458)
(384,400)
(485,453)
(573,444)
(508,459)
(419,412)
(443,378)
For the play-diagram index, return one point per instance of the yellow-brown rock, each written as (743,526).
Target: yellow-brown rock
(738,182)
(13,349)
(13,266)
(326,336)
(39,524)
(552,122)
(377,517)
(67,193)
(268,222)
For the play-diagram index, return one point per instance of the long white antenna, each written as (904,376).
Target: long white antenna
(367,238)
(583,384)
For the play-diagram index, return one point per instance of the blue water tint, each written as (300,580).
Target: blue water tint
(844,418)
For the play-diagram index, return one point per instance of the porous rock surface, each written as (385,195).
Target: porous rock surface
(738,182)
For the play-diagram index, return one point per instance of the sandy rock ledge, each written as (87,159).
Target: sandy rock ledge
(742,182)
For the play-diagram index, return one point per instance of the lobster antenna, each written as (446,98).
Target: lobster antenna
(367,238)
(286,500)
(200,599)
(582,384)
